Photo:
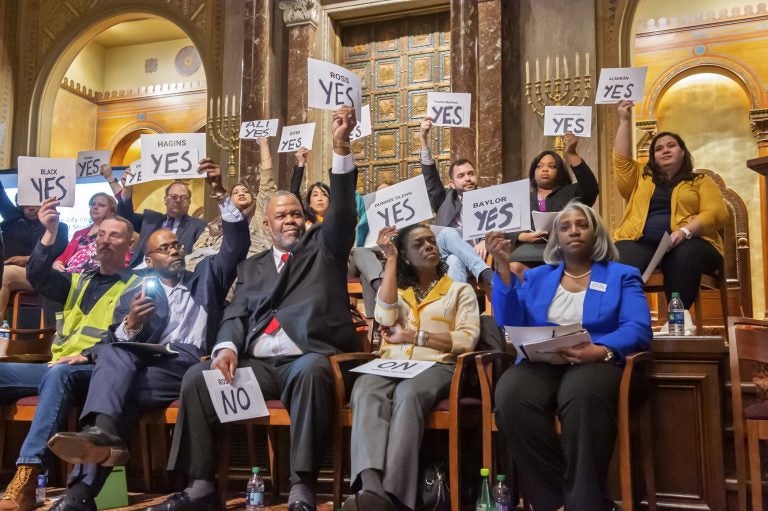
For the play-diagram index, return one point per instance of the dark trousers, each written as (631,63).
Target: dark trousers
(567,469)
(125,384)
(304,385)
(682,266)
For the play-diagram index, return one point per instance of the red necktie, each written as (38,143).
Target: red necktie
(274,325)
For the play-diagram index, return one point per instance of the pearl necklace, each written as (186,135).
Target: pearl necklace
(576,277)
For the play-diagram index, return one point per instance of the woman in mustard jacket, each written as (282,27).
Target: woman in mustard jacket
(665,195)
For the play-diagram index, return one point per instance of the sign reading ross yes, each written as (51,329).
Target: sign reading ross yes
(559,120)
(617,83)
(505,207)
(399,205)
(331,86)
(45,178)
(89,162)
(449,108)
(172,156)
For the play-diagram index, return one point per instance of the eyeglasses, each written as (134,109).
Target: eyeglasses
(165,248)
(178,198)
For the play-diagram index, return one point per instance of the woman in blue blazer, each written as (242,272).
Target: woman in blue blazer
(581,283)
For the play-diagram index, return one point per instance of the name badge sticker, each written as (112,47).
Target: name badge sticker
(598,286)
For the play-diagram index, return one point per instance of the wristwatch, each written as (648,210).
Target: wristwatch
(687,232)
(609,355)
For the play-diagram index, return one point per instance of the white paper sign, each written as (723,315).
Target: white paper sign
(89,162)
(296,136)
(543,220)
(363,127)
(172,156)
(617,83)
(449,108)
(136,175)
(43,178)
(252,130)
(505,207)
(400,205)
(331,86)
(240,400)
(394,368)
(657,256)
(559,120)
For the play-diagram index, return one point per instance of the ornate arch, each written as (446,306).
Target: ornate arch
(742,75)
(53,46)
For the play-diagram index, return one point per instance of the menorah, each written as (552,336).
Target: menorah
(225,130)
(558,91)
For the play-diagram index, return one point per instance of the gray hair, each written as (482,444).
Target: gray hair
(603,248)
(279,193)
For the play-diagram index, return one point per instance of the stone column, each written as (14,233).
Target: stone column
(300,16)
(759,121)
(643,146)
(256,76)
(7,40)
(464,30)
(489,93)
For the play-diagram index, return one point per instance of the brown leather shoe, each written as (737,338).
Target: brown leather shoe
(91,445)
(20,494)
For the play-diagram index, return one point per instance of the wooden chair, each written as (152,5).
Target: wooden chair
(490,366)
(733,279)
(447,415)
(25,299)
(748,350)
(163,417)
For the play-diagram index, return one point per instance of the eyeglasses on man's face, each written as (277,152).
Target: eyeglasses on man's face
(177,198)
(165,248)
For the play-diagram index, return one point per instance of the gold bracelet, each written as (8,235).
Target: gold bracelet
(341,144)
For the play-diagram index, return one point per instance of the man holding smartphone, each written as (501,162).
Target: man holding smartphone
(166,324)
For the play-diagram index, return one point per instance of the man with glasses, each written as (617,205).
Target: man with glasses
(166,324)
(177,199)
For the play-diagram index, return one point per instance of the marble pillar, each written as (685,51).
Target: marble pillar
(7,40)
(649,129)
(489,93)
(464,35)
(301,17)
(256,95)
(759,121)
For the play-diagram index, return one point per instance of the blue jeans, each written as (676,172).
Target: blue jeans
(57,387)
(461,256)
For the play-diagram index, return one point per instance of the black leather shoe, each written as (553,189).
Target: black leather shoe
(181,502)
(298,505)
(72,503)
(91,445)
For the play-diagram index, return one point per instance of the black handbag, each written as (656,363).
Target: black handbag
(435,494)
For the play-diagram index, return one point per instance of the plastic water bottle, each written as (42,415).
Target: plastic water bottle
(5,337)
(254,493)
(484,502)
(501,494)
(42,482)
(676,315)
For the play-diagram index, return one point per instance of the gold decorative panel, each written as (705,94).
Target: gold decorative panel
(400,61)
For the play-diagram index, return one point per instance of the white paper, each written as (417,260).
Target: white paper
(172,156)
(505,207)
(251,130)
(43,178)
(559,120)
(363,127)
(541,343)
(402,204)
(543,220)
(618,83)
(240,400)
(657,256)
(136,176)
(89,162)
(394,368)
(331,86)
(451,109)
(296,136)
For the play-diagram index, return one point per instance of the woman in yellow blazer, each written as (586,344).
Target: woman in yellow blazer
(665,195)
(426,316)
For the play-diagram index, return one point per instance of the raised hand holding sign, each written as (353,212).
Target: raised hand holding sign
(46,178)
(331,86)
(171,156)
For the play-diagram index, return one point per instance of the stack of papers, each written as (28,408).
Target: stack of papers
(543,343)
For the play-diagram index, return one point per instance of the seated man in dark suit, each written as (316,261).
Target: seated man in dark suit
(289,312)
(177,199)
(463,259)
(169,325)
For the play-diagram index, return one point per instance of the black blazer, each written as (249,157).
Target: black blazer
(150,221)
(445,202)
(208,284)
(309,296)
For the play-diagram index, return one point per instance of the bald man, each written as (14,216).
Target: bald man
(168,321)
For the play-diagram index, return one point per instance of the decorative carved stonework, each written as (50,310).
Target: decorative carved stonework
(300,12)
(649,129)
(759,121)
